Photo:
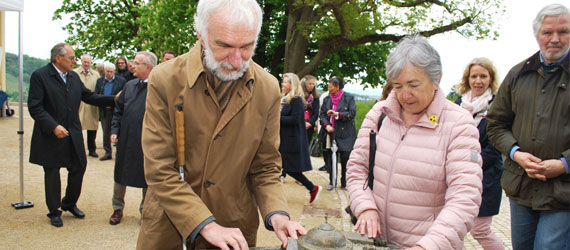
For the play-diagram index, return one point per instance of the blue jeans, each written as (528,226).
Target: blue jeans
(540,230)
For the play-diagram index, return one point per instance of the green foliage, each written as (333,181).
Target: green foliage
(104,29)
(167,25)
(362,109)
(324,38)
(30,64)
(453,95)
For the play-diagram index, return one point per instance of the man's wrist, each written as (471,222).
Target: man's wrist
(514,149)
(565,162)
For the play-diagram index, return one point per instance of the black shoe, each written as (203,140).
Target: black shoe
(106,157)
(93,154)
(75,211)
(323,168)
(56,221)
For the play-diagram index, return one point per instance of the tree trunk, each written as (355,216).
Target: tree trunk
(296,43)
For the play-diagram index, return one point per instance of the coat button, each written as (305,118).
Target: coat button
(543,91)
(208,183)
(537,114)
(533,138)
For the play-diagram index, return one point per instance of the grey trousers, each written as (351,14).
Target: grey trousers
(119,197)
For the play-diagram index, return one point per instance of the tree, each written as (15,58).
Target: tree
(329,33)
(350,38)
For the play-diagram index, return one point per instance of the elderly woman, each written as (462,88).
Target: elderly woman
(337,123)
(294,148)
(478,88)
(427,171)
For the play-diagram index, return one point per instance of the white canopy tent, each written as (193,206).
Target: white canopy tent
(18,5)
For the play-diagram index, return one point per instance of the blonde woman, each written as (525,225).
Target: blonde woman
(478,88)
(294,148)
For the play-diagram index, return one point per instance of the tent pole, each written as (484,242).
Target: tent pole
(22,203)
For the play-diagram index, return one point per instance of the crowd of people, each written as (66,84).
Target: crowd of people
(438,168)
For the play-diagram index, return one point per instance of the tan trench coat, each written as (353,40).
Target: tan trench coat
(88,114)
(232,160)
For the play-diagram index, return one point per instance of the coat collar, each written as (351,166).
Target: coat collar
(533,64)
(429,119)
(55,73)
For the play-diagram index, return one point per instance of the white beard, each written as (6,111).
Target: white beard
(215,67)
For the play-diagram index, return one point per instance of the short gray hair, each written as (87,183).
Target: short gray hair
(58,49)
(108,65)
(239,11)
(149,58)
(548,10)
(417,51)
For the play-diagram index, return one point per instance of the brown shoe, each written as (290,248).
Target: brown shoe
(116,217)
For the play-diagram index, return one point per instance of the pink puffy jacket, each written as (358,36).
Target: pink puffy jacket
(427,177)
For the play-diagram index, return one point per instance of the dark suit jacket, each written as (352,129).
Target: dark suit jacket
(52,102)
(117,86)
(344,128)
(294,148)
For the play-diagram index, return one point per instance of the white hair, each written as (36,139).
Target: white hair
(239,11)
(417,51)
(108,65)
(149,58)
(549,10)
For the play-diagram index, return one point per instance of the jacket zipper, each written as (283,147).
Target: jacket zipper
(390,184)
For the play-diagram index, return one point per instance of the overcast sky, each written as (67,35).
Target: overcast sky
(516,41)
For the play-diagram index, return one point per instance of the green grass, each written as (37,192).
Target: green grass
(362,109)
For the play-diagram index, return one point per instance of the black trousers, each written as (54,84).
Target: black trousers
(299,176)
(344,156)
(91,135)
(52,182)
(106,122)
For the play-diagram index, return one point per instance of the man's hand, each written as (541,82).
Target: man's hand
(307,125)
(368,222)
(531,164)
(552,168)
(223,237)
(60,132)
(114,138)
(284,228)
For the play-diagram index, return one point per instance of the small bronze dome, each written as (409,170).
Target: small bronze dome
(324,237)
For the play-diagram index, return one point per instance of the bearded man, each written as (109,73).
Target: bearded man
(231,131)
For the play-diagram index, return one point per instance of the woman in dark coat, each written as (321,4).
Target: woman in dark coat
(312,108)
(478,88)
(337,121)
(294,148)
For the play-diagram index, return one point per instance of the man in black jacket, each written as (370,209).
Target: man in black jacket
(109,84)
(57,141)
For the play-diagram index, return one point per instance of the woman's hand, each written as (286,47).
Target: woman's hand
(307,125)
(329,129)
(368,222)
(332,113)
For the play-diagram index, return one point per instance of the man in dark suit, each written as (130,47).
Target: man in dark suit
(57,141)
(109,84)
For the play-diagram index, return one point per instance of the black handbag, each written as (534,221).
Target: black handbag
(371,158)
(316,149)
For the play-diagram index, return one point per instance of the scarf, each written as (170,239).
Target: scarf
(478,106)
(335,99)
(309,107)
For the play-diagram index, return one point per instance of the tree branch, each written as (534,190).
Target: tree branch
(337,43)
